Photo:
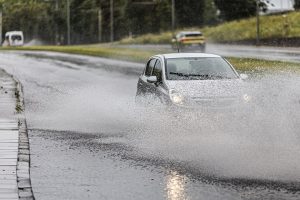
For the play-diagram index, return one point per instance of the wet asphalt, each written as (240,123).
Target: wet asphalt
(89,141)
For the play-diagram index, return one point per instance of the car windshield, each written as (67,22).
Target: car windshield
(193,35)
(16,37)
(206,68)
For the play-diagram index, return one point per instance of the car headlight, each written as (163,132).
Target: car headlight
(247,98)
(176,97)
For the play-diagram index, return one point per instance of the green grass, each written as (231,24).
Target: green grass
(258,65)
(271,26)
(141,56)
(164,38)
(100,51)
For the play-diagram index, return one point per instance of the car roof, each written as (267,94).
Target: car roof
(190,32)
(189,55)
(14,32)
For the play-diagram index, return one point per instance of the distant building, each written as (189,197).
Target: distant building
(278,6)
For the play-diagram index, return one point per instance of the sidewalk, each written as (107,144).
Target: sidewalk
(14,146)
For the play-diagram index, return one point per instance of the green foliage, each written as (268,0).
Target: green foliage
(189,12)
(236,9)
(41,19)
(30,16)
(162,38)
(144,17)
(100,51)
(297,4)
(120,21)
(257,65)
(82,14)
(157,17)
(210,13)
(273,26)
(283,26)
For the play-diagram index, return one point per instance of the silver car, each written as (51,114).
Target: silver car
(191,80)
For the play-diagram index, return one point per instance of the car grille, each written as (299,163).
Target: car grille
(215,101)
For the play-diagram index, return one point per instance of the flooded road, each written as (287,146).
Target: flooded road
(90,141)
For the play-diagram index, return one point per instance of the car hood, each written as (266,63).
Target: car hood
(207,88)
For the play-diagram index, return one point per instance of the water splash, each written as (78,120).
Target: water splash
(257,141)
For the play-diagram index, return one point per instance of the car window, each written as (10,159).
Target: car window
(16,37)
(150,67)
(193,35)
(158,71)
(199,69)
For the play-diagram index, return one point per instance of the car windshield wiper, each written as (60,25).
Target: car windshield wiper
(204,76)
(179,74)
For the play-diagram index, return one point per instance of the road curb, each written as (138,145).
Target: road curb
(15,180)
(23,167)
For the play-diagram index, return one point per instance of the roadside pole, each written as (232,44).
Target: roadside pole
(100,25)
(257,23)
(56,25)
(68,22)
(173,18)
(1,27)
(111,20)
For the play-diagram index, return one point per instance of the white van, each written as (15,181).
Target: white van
(14,39)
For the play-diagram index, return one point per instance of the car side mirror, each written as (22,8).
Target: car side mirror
(244,76)
(152,79)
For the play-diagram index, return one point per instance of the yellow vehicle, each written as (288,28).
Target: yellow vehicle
(189,40)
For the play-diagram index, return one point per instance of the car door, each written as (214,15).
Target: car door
(144,88)
(159,89)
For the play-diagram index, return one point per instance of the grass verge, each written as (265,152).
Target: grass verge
(258,65)
(102,51)
(271,26)
(141,56)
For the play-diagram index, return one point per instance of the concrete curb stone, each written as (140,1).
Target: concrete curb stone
(23,168)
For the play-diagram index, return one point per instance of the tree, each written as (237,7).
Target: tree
(156,17)
(297,4)
(210,13)
(84,16)
(30,16)
(236,9)
(148,18)
(120,22)
(40,19)
(190,12)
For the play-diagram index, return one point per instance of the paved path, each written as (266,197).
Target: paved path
(9,137)
(14,146)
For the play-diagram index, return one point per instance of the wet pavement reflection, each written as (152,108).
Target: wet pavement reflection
(175,186)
